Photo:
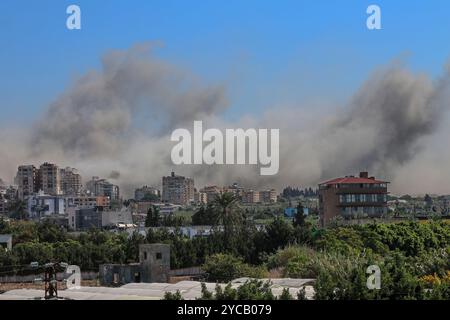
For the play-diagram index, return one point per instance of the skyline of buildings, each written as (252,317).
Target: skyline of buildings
(347,197)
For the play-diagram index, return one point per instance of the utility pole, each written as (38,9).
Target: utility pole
(51,283)
(50,280)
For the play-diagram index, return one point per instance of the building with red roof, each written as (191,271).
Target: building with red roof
(351,197)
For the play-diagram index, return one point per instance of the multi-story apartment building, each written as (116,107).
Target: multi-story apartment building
(250,196)
(27,181)
(212,192)
(50,179)
(236,189)
(268,196)
(177,189)
(146,193)
(70,182)
(200,197)
(103,188)
(352,196)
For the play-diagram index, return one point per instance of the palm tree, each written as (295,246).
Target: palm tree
(226,212)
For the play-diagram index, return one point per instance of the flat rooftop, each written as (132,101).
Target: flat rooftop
(190,290)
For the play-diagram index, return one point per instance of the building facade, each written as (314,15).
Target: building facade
(146,193)
(4,206)
(178,189)
(70,182)
(200,197)
(84,202)
(41,205)
(351,197)
(251,196)
(84,219)
(103,188)
(50,179)
(27,181)
(268,196)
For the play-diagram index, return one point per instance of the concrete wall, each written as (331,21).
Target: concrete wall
(155,262)
(119,274)
(89,275)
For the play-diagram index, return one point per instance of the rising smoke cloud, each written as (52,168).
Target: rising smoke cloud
(116,122)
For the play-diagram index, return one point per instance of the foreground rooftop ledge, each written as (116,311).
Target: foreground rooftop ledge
(190,290)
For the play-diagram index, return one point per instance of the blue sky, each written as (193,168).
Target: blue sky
(266,52)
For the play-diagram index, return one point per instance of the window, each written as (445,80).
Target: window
(145,255)
(158,256)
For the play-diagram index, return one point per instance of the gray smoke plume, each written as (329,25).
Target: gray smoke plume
(95,116)
(385,123)
(114,175)
(121,118)
(383,127)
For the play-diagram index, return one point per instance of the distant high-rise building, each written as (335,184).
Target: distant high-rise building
(27,181)
(70,182)
(177,189)
(50,179)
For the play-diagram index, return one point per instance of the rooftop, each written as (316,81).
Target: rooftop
(363,178)
(155,291)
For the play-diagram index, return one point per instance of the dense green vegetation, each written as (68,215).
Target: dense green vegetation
(250,290)
(413,256)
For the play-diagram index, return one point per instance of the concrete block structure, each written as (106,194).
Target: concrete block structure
(155,262)
(153,266)
(6,242)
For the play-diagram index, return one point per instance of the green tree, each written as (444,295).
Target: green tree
(152,219)
(17,209)
(285,295)
(279,233)
(173,296)
(225,267)
(299,218)
(227,213)
(203,216)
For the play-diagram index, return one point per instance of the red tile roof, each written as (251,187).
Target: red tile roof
(353,180)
